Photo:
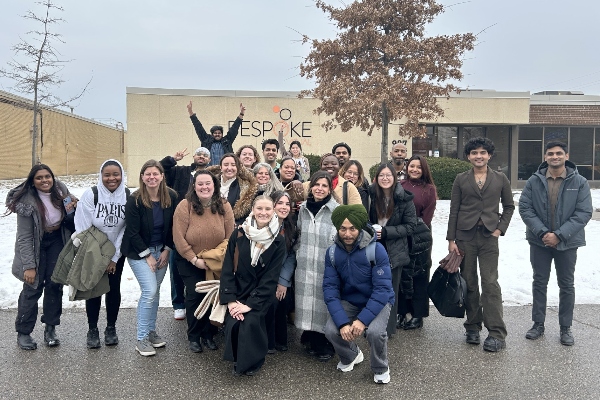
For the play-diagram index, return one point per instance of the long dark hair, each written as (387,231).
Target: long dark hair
(320,174)
(216,202)
(380,206)
(289,227)
(361,172)
(28,187)
(426,177)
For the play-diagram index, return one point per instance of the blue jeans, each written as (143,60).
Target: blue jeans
(150,285)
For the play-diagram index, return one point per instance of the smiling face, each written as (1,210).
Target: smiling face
(479,157)
(111,177)
(295,150)
(341,153)
(385,179)
(152,177)
(414,170)
(351,174)
(270,153)
(262,176)
(247,157)
(263,212)
(42,180)
(228,168)
(283,207)
(287,170)
(204,187)
(321,189)
(556,157)
(331,165)
(217,134)
(201,159)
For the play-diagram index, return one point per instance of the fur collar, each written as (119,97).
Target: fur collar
(248,189)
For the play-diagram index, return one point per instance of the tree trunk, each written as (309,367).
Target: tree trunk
(384,133)
(34,134)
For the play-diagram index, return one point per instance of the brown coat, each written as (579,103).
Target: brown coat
(468,204)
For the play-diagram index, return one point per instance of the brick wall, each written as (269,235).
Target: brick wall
(564,115)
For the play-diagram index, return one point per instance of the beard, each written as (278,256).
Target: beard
(399,161)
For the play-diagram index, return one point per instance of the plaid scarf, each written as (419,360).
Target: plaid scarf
(260,239)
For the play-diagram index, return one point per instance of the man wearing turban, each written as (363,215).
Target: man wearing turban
(357,288)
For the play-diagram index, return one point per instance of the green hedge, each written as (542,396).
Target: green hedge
(444,171)
(314,161)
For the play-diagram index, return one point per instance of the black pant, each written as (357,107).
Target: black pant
(112,299)
(197,328)
(51,247)
(276,320)
(564,264)
(418,305)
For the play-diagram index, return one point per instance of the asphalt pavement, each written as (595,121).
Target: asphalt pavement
(430,363)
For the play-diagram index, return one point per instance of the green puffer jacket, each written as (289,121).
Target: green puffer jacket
(82,264)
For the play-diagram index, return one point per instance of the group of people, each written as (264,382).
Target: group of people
(342,257)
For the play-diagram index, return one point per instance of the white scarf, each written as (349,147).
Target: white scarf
(225,185)
(260,239)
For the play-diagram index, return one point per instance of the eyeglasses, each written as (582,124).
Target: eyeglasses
(352,173)
(385,176)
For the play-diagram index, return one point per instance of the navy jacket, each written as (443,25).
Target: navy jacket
(207,140)
(354,280)
(573,208)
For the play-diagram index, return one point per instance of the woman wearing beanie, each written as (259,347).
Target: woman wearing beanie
(316,235)
(103,206)
(393,210)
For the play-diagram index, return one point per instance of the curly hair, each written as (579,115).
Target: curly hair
(249,146)
(216,201)
(477,142)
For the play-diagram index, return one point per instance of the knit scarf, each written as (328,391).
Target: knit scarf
(260,238)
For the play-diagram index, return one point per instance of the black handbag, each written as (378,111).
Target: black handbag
(447,292)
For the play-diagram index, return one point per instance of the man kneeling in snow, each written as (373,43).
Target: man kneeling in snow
(357,288)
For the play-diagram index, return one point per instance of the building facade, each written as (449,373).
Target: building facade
(68,143)
(519,124)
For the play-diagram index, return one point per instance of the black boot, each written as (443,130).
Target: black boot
(110,336)
(93,339)
(414,323)
(26,342)
(50,336)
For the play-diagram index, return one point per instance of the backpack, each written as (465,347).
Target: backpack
(95,191)
(370,253)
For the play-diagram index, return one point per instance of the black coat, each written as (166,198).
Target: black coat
(396,232)
(207,140)
(179,177)
(254,287)
(139,224)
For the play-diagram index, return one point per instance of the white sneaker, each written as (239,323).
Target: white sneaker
(179,314)
(382,378)
(349,367)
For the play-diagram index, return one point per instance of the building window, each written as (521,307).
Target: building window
(500,135)
(597,155)
(530,150)
(552,133)
(581,150)
(445,141)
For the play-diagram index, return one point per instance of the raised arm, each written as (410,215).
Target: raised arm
(200,131)
(235,128)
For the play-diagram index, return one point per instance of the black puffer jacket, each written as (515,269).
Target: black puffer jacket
(396,232)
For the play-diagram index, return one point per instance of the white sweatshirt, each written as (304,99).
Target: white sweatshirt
(108,215)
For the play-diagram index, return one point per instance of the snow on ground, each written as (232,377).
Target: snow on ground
(514,267)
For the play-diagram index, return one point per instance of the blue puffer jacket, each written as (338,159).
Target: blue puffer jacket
(354,280)
(573,208)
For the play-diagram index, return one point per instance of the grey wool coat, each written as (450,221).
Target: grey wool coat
(317,233)
(30,233)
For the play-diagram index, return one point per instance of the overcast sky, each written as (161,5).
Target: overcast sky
(529,45)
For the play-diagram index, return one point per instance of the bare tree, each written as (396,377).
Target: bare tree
(37,65)
(382,67)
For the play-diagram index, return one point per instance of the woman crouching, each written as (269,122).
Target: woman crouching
(249,278)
